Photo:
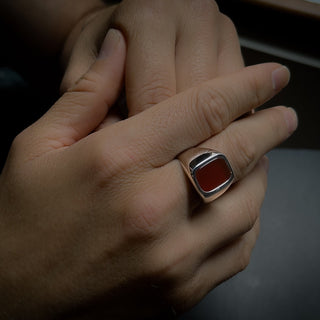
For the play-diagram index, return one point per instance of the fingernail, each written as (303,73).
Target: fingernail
(280,78)
(265,163)
(291,120)
(110,43)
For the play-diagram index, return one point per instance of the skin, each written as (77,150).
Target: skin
(171,46)
(184,42)
(103,222)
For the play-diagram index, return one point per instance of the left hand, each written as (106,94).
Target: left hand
(90,222)
(172,45)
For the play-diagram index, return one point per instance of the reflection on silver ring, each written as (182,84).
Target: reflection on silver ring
(209,171)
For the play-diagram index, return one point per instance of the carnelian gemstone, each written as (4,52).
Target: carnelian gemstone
(213,174)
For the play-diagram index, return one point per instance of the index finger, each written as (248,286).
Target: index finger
(194,116)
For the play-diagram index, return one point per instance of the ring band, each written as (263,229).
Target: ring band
(209,171)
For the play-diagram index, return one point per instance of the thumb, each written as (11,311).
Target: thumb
(82,108)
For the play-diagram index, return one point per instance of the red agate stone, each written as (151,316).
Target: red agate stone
(213,174)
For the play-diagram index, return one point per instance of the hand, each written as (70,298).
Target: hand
(172,46)
(105,223)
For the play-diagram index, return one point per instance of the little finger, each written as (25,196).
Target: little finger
(228,261)
(221,266)
(232,215)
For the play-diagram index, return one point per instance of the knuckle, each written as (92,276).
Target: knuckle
(144,217)
(90,82)
(151,10)
(127,14)
(252,210)
(245,150)
(110,169)
(244,255)
(102,164)
(188,294)
(153,92)
(256,96)
(203,7)
(171,267)
(174,260)
(211,106)
(177,267)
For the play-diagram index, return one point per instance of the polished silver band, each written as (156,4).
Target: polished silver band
(209,171)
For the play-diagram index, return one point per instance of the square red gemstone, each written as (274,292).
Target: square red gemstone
(213,174)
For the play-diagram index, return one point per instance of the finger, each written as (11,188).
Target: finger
(192,117)
(231,215)
(85,49)
(245,141)
(220,266)
(150,77)
(229,52)
(80,110)
(227,262)
(150,68)
(82,57)
(112,118)
(205,51)
(197,44)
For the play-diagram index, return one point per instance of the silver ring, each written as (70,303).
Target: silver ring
(209,171)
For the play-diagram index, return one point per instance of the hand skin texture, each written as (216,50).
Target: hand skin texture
(103,222)
(172,45)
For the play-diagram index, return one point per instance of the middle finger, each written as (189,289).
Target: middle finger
(190,118)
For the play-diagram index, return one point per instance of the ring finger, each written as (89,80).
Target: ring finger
(245,141)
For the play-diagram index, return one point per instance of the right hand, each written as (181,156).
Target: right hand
(106,223)
(172,46)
